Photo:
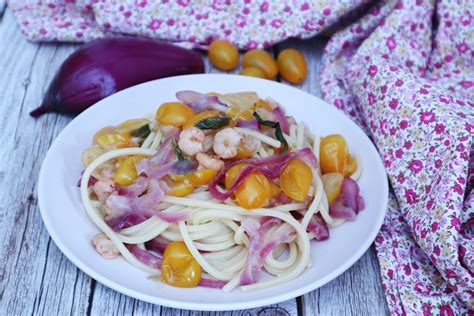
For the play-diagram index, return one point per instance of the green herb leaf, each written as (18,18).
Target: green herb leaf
(141,132)
(276,125)
(215,122)
(177,150)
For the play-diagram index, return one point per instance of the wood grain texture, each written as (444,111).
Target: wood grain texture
(35,277)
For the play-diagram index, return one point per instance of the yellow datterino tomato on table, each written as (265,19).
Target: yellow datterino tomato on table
(179,268)
(296,179)
(254,192)
(223,55)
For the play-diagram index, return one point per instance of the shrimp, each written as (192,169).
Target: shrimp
(191,141)
(226,142)
(104,246)
(208,162)
(103,188)
(251,143)
(208,142)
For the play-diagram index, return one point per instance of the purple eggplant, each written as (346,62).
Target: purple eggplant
(105,66)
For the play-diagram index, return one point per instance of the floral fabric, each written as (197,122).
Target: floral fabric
(403,70)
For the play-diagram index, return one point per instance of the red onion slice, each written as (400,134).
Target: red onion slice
(318,227)
(197,101)
(279,115)
(250,124)
(145,256)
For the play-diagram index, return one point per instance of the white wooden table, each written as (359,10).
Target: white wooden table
(35,277)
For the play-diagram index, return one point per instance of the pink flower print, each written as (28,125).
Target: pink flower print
(304,6)
(416,166)
(390,274)
(430,204)
(445,310)
(327,11)
(403,124)
(264,7)
(372,70)
(438,163)
(407,269)
(401,178)
(411,196)
(408,144)
(398,83)
(466,84)
(424,91)
(462,48)
(434,227)
(383,89)
(427,117)
(391,43)
(155,24)
(170,22)
(455,221)
(437,250)
(184,3)
(251,45)
(399,153)
(276,23)
(448,58)
(426,307)
(421,288)
(311,25)
(141,3)
(371,98)
(439,128)
(393,104)
(218,5)
(246,11)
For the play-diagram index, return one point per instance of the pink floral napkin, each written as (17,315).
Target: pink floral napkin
(403,70)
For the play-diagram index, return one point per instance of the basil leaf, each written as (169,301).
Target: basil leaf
(264,122)
(280,137)
(215,122)
(276,125)
(177,150)
(141,132)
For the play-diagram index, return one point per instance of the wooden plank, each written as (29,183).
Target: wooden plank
(35,278)
(359,289)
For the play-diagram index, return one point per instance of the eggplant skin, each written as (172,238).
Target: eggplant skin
(105,66)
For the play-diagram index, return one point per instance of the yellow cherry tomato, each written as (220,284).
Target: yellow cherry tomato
(332,184)
(101,132)
(252,72)
(240,114)
(296,179)
(223,55)
(261,59)
(292,65)
(196,178)
(179,268)
(201,177)
(243,152)
(201,116)
(174,113)
(254,192)
(350,167)
(232,174)
(182,189)
(130,125)
(333,153)
(264,105)
(114,141)
(126,172)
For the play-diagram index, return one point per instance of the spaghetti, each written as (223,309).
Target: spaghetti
(239,206)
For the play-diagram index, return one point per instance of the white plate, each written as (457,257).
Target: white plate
(71,229)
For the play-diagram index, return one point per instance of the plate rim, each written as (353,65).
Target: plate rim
(273,299)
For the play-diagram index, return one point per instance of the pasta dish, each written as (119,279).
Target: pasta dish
(217,190)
